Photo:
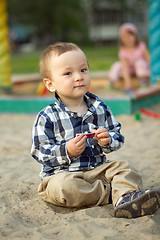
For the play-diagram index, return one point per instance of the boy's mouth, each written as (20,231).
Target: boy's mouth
(79,86)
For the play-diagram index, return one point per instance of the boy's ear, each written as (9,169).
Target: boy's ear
(49,84)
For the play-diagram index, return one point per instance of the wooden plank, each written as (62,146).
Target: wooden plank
(118,105)
(34,105)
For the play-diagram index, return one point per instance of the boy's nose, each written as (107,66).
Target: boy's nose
(78,77)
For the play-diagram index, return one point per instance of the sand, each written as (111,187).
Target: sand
(25,216)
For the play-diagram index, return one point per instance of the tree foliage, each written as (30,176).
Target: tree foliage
(62,20)
(124,4)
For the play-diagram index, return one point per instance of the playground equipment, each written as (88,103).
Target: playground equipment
(154,39)
(154,44)
(120,105)
(5,71)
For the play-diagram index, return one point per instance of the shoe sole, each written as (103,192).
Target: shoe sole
(146,204)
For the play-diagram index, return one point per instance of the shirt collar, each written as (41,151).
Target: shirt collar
(90,99)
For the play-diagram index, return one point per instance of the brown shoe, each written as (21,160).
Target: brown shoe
(138,204)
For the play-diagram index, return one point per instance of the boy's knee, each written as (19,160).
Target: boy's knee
(53,189)
(64,181)
(62,189)
(59,182)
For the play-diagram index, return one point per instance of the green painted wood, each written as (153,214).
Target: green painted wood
(34,105)
(119,106)
(23,105)
(136,104)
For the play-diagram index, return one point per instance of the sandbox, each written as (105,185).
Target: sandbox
(25,98)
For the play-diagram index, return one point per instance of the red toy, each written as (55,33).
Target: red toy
(89,135)
(149,113)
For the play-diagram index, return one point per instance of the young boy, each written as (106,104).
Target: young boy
(71,138)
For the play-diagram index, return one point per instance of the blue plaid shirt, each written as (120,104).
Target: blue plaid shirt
(55,125)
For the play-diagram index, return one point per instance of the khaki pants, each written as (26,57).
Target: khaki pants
(92,187)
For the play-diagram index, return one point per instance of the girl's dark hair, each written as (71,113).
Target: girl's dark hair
(137,39)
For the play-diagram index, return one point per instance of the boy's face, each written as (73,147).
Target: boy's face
(70,76)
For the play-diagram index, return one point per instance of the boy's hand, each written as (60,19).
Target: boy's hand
(76,145)
(102,136)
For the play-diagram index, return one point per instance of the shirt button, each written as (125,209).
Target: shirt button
(92,146)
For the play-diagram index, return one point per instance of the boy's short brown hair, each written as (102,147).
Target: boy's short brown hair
(58,48)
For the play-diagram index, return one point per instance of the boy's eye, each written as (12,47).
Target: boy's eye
(68,73)
(83,69)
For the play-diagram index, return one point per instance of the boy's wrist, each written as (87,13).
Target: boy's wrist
(70,155)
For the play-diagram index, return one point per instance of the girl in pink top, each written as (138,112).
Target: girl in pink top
(133,55)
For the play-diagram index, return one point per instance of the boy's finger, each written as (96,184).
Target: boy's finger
(94,130)
(82,140)
(80,137)
(102,135)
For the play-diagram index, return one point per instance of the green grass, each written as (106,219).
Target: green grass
(22,63)
(99,58)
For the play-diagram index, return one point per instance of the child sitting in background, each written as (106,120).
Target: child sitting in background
(134,58)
